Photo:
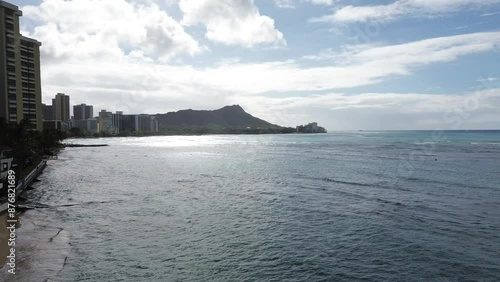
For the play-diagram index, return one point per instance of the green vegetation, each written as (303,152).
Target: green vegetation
(27,147)
(78,133)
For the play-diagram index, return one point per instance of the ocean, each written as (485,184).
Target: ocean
(345,206)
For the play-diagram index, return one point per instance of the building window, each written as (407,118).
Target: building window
(26,64)
(5,167)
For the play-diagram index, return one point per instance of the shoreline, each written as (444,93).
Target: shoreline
(21,186)
(25,183)
(190,135)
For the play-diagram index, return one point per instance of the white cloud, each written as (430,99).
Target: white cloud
(384,111)
(351,68)
(103,29)
(287,4)
(107,54)
(488,79)
(367,64)
(433,50)
(293,3)
(140,86)
(490,14)
(323,2)
(401,8)
(232,22)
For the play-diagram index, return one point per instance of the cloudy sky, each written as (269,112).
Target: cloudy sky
(347,64)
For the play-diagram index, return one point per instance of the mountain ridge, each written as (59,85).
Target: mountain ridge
(233,116)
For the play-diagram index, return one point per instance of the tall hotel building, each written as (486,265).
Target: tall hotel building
(83,111)
(61,108)
(20,83)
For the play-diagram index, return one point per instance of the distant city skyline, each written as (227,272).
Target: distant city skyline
(58,115)
(348,65)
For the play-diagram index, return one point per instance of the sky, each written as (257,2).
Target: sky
(346,64)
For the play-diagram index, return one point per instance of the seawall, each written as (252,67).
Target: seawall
(22,184)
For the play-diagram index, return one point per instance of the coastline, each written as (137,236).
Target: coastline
(20,188)
(25,183)
(191,134)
